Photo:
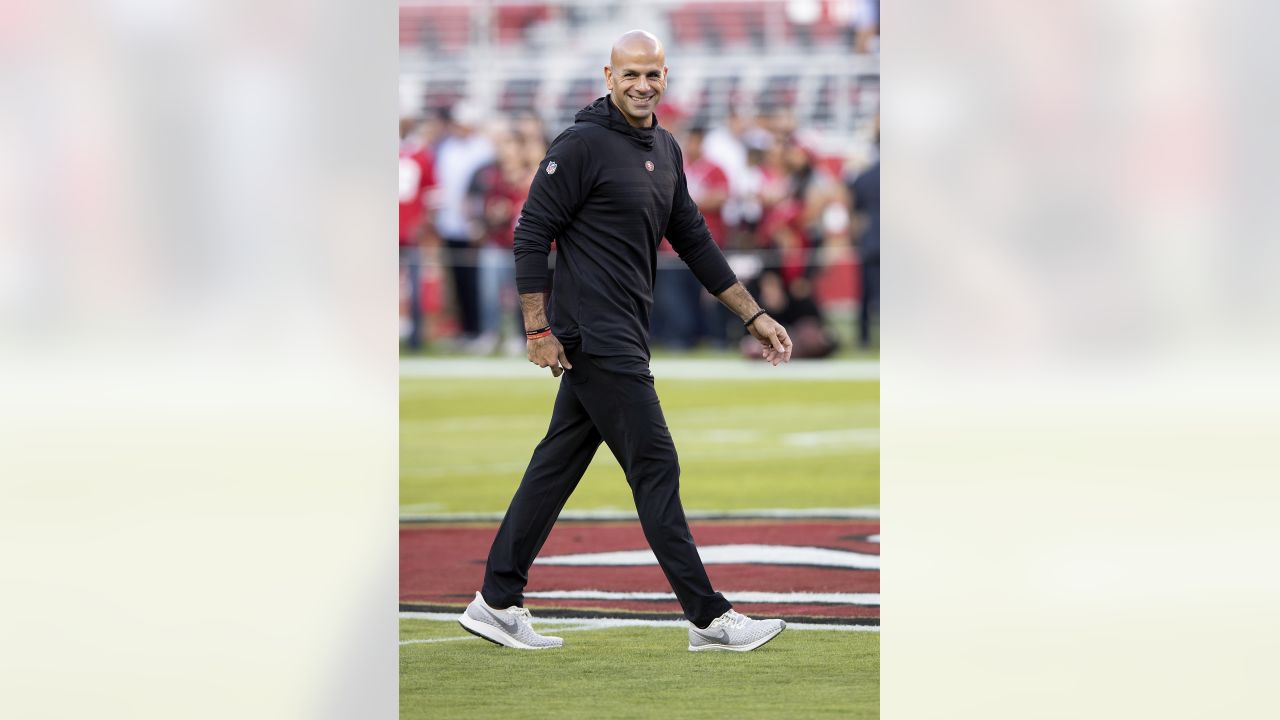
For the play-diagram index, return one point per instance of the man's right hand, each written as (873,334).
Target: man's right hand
(548,352)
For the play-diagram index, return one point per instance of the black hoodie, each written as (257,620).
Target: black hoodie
(607,193)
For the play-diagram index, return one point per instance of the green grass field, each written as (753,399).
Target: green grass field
(742,444)
(639,673)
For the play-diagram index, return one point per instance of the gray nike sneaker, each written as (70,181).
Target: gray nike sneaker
(734,631)
(508,627)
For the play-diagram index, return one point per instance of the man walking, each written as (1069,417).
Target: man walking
(610,188)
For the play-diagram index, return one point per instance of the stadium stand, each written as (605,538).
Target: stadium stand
(800,78)
(513,54)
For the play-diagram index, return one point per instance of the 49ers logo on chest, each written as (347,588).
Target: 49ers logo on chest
(648,165)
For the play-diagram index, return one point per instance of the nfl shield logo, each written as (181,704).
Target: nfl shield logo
(551,168)
(648,165)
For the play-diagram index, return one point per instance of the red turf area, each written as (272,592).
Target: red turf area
(443,566)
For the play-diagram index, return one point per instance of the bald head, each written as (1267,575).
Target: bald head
(636,76)
(637,45)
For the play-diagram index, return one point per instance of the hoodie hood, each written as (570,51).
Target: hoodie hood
(604,113)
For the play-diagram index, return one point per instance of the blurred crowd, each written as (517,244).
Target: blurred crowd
(780,210)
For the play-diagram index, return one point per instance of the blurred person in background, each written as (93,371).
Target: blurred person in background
(810,186)
(417,178)
(783,235)
(609,189)
(749,192)
(432,130)
(709,188)
(816,207)
(861,20)
(533,143)
(779,121)
(869,26)
(675,289)
(461,152)
(792,305)
(864,192)
(497,192)
(677,297)
(769,188)
(724,146)
(532,133)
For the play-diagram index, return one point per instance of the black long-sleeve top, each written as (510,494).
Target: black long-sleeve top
(608,193)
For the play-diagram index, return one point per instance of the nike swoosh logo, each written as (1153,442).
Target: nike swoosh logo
(722,637)
(508,626)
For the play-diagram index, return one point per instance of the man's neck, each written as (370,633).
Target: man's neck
(643,124)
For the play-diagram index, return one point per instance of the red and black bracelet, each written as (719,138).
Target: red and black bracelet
(539,333)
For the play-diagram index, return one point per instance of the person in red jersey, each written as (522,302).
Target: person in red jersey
(498,191)
(708,184)
(417,177)
(709,188)
(676,291)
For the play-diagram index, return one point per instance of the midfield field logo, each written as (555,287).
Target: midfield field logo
(802,570)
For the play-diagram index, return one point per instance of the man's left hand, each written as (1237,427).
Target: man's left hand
(773,337)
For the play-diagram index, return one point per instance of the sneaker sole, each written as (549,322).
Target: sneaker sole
(738,648)
(496,636)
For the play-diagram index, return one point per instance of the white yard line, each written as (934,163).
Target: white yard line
(742,596)
(436,640)
(733,554)
(842,438)
(671,369)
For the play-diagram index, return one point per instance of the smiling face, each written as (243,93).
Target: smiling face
(636,76)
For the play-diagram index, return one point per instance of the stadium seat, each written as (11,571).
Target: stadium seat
(779,92)
(514,21)
(823,105)
(443,94)
(436,28)
(518,94)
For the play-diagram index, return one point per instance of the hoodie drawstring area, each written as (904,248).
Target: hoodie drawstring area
(604,113)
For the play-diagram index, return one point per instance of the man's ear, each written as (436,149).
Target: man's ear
(608,78)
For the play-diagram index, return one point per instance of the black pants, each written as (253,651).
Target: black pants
(609,399)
